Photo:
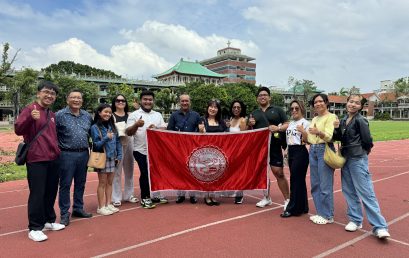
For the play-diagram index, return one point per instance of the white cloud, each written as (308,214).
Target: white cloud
(132,59)
(175,41)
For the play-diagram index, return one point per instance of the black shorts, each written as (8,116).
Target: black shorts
(276,156)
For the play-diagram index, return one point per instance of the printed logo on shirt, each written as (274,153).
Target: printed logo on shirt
(207,164)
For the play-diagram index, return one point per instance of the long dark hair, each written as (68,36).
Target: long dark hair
(113,107)
(98,119)
(219,109)
(243,111)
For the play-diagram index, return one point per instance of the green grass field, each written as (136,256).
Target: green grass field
(389,130)
(381,131)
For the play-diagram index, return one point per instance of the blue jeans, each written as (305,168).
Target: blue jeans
(357,186)
(322,182)
(73,165)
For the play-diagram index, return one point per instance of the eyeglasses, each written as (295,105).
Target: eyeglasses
(76,97)
(49,92)
(295,108)
(263,95)
(120,101)
(237,107)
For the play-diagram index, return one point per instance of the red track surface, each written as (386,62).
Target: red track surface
(186,230)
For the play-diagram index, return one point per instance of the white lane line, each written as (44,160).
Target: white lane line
(357,239)
(26,189)
(71,221)
(184,232)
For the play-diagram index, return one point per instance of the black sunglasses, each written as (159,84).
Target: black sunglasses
(120,100)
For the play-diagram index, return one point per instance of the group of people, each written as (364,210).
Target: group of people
(59,152)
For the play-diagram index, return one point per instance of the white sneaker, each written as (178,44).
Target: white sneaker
(104,211)
(286,202)
(37,235)
(112,208)
(382,233)
(352,226)
(263,203)
(53,226)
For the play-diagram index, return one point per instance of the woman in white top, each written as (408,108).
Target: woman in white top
(120,110)
(237,124)
(297,160)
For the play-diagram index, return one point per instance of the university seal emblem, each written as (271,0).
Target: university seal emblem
(207,164)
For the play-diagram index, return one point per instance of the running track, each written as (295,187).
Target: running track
(186,230)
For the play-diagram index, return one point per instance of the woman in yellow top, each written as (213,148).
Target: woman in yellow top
(321,175)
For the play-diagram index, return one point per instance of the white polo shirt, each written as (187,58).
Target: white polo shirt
(139,139)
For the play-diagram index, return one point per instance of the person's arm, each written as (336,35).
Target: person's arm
(97,141)
(243,125)
(366,138)
(171,123)
(133,124)
(23,122)
(118,147)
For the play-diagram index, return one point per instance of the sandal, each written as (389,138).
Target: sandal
(117,203)
(322,221)
(133,199)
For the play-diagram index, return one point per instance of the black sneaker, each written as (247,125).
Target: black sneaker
(180,199)
(161,200)
(193,199)
(238,199)
(147,204)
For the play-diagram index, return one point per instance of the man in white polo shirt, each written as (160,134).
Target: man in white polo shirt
(137,123)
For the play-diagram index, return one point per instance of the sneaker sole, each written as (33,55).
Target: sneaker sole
(42,240)
(261,206)
(349,230)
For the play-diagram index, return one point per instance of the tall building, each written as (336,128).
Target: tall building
(233,64)
(186,71)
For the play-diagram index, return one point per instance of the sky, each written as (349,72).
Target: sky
(334,43)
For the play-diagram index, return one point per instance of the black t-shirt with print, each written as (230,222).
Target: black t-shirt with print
(272,116)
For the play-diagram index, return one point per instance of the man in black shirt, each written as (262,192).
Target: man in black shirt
(276,120)
(184,120)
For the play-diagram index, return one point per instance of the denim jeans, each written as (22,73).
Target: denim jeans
(73,165)
(357,186)
(322,182)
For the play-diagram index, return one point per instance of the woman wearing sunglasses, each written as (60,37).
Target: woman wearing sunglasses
(296,135)
(238,123)
(120,110)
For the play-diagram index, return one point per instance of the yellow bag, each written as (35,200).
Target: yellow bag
(97,160)
(332,158)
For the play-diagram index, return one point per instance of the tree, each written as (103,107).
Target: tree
(124,89)
(165,98)
(277,99)
(66,84)
(69,67)
(203,93)
(239,91)
(5,62)
(343,91)
(401,87)
(22,89)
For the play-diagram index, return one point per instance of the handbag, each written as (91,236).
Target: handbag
(22,148)
(97,159)
(332,158)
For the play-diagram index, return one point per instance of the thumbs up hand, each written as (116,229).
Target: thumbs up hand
(314,130)
(336,123)
(252,121)
(202,127)
(35,114)
(110,134)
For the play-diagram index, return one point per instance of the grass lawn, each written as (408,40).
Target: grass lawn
(10,171)
(389,130)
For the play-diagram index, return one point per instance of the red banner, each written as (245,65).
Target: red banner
(208,162)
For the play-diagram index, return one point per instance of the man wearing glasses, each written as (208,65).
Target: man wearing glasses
(42,160)
(184,120)
(73,126)
(276,120)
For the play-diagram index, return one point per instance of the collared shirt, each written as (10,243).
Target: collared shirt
(271,116)
(153,117)
(45,148)
(179,121)
(73,131)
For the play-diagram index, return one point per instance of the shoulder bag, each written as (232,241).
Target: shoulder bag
(97,159)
